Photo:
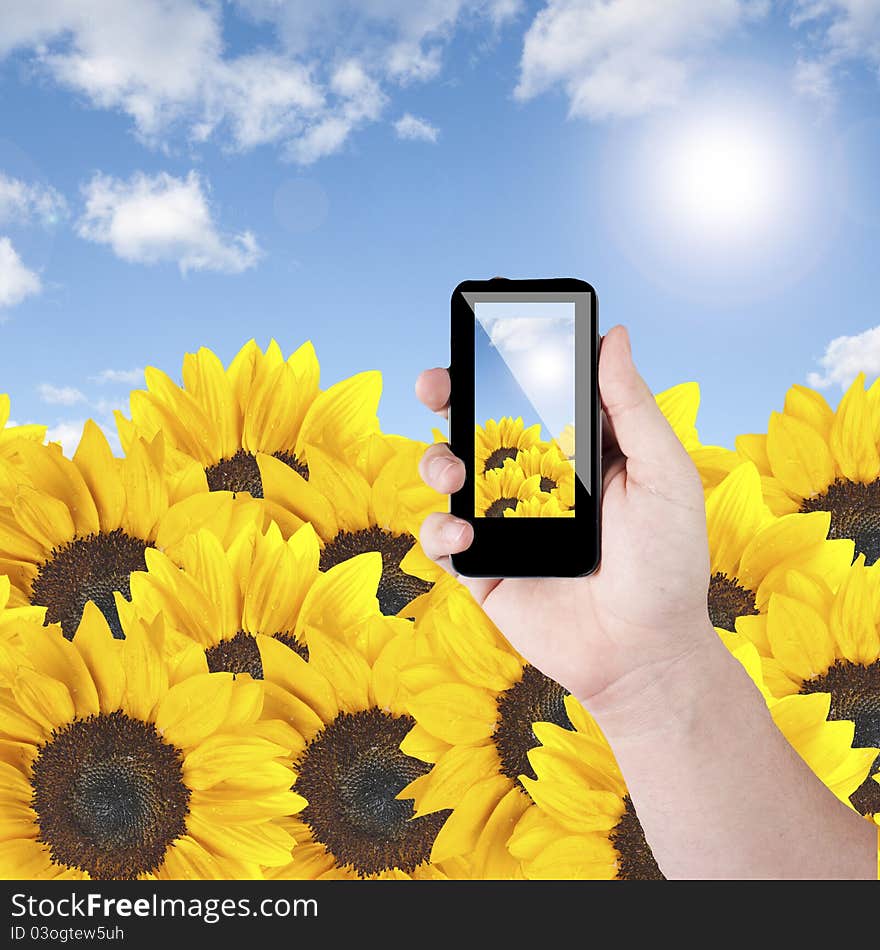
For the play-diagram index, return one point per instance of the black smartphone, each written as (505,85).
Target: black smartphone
(524,418)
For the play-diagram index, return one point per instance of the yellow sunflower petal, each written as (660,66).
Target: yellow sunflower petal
(460,833)
(852,618)
(46,700)
(344,668)
(145,491)
(205,378)
(50,653)
(799,456)
(852,435)
(290,492)
(146,676)
(753,447)
(192,710)
(735,513)
(810,407)
(456,713)
(575,807)
(344,596)
(46,519)
(575,858)
(421,744)
(343,414)
(490,857)
(798,637)
(285,668)
(778,541)
(101,472)
(266,844)
(455,772)
(220,757)
(101,654)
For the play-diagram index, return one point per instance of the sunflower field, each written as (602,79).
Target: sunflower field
(224,655)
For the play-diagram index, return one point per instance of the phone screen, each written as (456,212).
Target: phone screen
(527,456)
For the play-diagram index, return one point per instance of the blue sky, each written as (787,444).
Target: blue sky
(524,363)
(182,173)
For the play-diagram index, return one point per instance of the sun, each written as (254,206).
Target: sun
(724,176)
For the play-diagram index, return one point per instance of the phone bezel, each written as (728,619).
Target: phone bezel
(526,547)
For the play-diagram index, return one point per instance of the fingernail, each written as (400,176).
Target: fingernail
(453,531)
(441,467)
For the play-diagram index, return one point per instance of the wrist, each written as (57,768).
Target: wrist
(665,695)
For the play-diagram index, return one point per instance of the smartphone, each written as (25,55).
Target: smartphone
(524,418)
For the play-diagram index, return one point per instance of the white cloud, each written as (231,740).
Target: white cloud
(153,218)
(68,433)
(17,282)
(127,376)
(814,79)
(522,334)
(60,395)
(847,356)
(623,57)
(410,126)
(21,202)
(842,32)
(165,64)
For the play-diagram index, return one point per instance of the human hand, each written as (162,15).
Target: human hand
(645,609)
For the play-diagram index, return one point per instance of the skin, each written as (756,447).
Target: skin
(719,791)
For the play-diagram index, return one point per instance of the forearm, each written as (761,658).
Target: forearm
(719,791)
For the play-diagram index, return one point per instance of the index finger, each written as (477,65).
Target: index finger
(432,388)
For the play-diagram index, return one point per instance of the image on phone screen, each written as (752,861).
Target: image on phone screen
(524,407)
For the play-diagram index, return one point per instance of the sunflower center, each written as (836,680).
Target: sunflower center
(547,484)
(350,774)
(241,654)
(499,506)
(240,472)
(238,654)
(298,647)
(635,861)
(535,698)
(728,600)
(855,514)
(499,457)
(396,587)
(109,796)
(855,695)
(91,568)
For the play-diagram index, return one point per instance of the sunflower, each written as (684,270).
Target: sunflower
(538,506)
(350,708)
(752,550)
(247,606)
(373,501)
(680,405)
(477,707)
(585,825)
(497,441)
(556,471)
(222,418)
(117,766)
(73,531)
(816,459)
(824,644)
(501,490)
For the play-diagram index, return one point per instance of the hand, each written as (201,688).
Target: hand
(646,607)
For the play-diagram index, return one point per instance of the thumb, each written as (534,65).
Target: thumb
(644,435)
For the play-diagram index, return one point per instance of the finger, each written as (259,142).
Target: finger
(640,428)
(441,470)
(443,535)
(432,389)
